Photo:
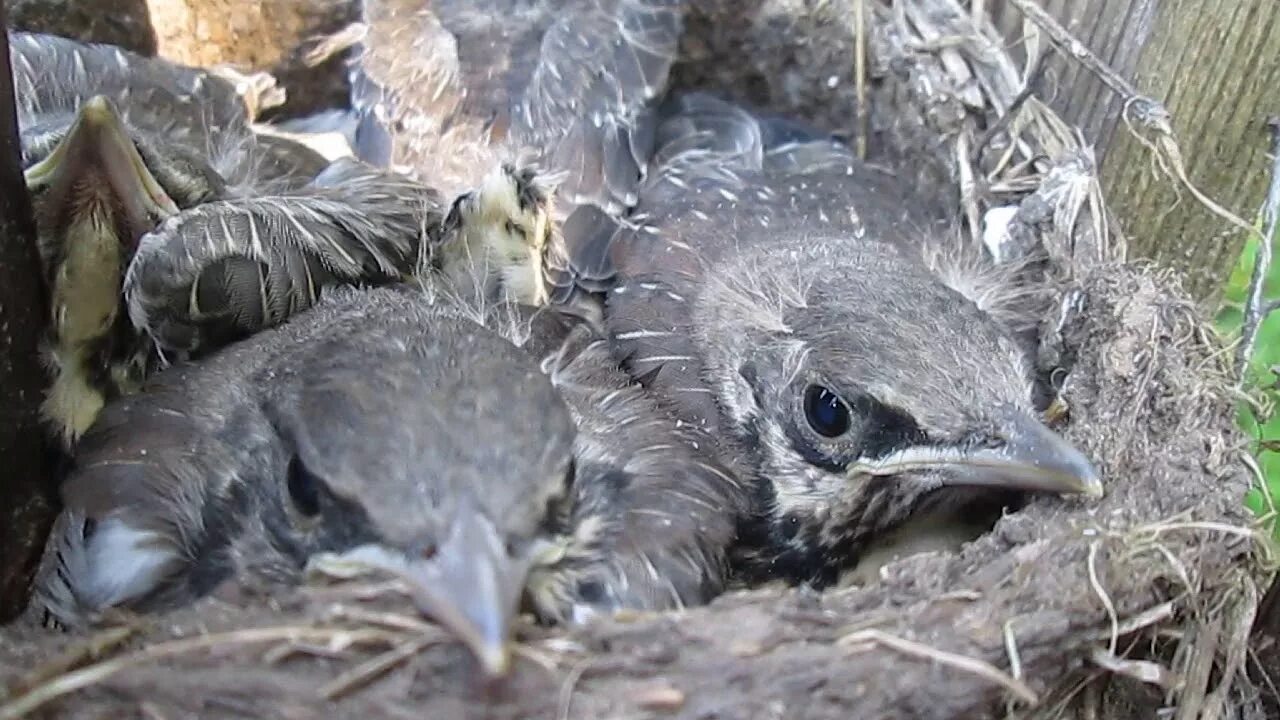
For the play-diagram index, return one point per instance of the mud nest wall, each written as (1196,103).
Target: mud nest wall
(1068,608)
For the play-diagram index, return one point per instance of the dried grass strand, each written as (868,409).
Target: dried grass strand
(90,675)
(974,666)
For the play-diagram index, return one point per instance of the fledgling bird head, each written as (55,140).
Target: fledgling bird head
(497,236)
(91,164)
(389,466)
(97,187)
(873,393)
(90,174)
(810,317)
(377,429)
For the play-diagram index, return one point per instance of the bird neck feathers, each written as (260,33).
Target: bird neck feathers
(86,307)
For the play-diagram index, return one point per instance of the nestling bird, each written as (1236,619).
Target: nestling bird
(209,111)
(830,343)
(217,229)
(537,115)
(349,435)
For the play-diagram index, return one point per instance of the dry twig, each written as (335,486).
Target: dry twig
(1255,308)
(860,75)
(864,639)
(46,692)
(1139,110)
(367,671)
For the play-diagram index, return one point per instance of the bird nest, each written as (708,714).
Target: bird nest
(1098,608)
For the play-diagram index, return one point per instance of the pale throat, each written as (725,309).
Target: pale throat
(86,301)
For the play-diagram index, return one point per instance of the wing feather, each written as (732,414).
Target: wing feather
(668,513)
(230,268)
(451,88)
(54,74)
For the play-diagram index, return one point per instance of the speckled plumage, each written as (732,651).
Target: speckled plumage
(263,259)
(197,109)
(767,260)
(671,523)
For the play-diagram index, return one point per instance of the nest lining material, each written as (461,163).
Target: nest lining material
(1068,607)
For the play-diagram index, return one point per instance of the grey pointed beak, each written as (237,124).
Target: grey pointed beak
(1028,457)
(97,155)
(1034,458)
(472,587)
(468,584)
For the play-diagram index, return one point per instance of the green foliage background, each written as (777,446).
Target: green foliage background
(1259,419)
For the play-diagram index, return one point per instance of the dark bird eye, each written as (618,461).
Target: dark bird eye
(827,414)
(304,488)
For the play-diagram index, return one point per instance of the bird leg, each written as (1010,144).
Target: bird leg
(500,234)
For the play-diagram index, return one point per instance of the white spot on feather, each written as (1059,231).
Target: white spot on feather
(995,230)
(123,563)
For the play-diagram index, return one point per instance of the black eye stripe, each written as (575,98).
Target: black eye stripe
(887,428)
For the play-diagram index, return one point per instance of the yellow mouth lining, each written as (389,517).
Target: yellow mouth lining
(98,131)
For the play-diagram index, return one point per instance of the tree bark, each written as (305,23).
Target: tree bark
(29,500)
(1215,65)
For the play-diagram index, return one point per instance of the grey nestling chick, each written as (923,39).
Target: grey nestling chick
(349,435)
(220,232)
(790,302)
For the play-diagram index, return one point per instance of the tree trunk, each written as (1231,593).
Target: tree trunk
(29,501)
(1215,65)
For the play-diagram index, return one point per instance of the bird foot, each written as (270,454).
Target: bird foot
(501,232)
(259,91)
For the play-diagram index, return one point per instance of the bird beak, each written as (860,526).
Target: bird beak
(469,585)
(472,587)
(97,155)
(1032,457)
